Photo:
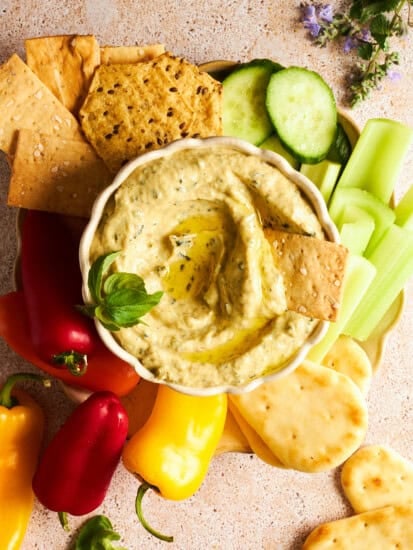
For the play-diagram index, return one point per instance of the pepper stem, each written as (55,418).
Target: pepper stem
(75,362)
(138,507)
(6,398)
(64,522)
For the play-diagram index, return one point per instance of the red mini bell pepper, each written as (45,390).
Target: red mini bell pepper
(77,466)
(105,370)
(52,285)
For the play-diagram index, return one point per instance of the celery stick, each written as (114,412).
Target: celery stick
(359,274)
(356,228)
(273,143)
(356,235)
(377,157)
(404,210)
(393,260)
(324,174)
(382,214)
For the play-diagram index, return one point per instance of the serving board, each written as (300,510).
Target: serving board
(375,344)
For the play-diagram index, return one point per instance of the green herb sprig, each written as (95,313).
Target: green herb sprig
(367,27)
(119,300)
(97,533)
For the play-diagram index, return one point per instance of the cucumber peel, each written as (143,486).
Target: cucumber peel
(274,144)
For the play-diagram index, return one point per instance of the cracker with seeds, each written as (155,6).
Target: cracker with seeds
(130,54)
(55,175)
(377,476)
(134,108)
(313,271)
(65,64)
(198,90)
(312,419)
(26,103)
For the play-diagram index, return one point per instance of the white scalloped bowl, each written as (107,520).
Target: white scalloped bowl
(307,188)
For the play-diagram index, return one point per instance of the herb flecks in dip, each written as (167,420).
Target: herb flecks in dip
(192,225)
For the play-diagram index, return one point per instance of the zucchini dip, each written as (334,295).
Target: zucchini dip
(192,224)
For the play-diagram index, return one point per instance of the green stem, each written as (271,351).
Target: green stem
(76,363)
(6,399)
(377,47)
(64,522)
(138,507)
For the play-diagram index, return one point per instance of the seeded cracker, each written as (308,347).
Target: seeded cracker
(55,175)
(130,54)
(25,102)
(313,271)
(134,108)
(65,64)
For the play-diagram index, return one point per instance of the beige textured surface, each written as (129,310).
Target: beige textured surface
(243,503)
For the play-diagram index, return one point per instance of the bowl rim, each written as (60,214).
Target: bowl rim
(307,187)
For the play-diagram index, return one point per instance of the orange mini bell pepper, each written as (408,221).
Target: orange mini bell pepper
(21,432)
(171,453)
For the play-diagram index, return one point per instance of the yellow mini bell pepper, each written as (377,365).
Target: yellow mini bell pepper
(171,453)
(21,431)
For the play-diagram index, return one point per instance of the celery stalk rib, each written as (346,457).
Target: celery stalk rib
(393,260)
(377,158)
(359,274)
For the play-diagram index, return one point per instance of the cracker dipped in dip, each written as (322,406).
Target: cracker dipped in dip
(192,224)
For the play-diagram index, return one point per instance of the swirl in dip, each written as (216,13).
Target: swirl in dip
(191,223)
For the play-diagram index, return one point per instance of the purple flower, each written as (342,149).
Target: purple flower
(314,16)
(350,43)
(313,28)
(309,13)
(394,75)
(365,35)
(325,13)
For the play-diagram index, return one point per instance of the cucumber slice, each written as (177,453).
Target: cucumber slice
(324,175)
(303,111)
(274,144)
(244,113)
(340,151)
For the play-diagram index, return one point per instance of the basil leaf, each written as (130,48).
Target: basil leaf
(102,314)
(96,534)
(120,299)
(125,307)
(125,297)
(116,281)
(96,272)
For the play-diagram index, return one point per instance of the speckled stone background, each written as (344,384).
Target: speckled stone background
(243,503)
